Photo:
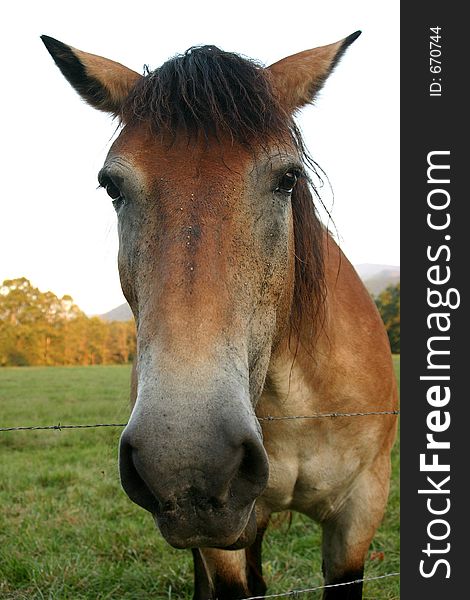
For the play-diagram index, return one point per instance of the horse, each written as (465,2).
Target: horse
(247,315)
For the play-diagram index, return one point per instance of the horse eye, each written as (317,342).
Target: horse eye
(113,192)
(288,181)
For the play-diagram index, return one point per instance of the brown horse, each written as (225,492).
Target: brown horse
(245,307)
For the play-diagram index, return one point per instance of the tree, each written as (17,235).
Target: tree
(25,317)
(38,328)
(31,323)
(388,303)
(121,341)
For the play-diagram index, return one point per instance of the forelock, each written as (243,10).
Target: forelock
(210,92)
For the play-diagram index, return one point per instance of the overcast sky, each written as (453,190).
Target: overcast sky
(58,230)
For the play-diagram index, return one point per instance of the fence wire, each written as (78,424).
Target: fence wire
(59,427)
(295,593)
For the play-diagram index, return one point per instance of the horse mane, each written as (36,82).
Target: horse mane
(208,91)
(212,93)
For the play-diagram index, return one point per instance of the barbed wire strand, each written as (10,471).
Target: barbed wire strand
(321,587)
(332,415)
(59,427)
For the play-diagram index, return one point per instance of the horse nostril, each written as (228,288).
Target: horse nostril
(253,470)
(228,479)
(131,480)
(254,464)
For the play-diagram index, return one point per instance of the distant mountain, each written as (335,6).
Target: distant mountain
(375,277)
(378,277)
(120,313)
(368,270)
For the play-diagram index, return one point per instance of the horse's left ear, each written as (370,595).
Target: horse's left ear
(103,83)
(298,78)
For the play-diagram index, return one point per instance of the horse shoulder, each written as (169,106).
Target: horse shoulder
(354,351)
(313,462)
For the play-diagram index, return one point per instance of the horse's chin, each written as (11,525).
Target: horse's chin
(247,537)
(199,539)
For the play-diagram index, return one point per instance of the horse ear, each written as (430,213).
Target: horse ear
(298,78)
(103,83)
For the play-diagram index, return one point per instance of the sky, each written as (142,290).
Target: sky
(58,230)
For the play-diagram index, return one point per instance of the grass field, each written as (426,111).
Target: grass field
(68,531)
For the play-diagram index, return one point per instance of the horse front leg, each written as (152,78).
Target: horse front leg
(203,589)
(254,564)
(350,591)
(220,574)
(229,574)
(347,534)
(344,552)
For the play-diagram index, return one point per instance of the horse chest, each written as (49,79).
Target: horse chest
(308,473)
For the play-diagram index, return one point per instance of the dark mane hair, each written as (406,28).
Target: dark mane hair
(211,93)
(208,91)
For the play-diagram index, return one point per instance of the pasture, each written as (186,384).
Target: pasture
(68,531)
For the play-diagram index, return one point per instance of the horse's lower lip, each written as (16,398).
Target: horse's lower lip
(205,535)
(247,536)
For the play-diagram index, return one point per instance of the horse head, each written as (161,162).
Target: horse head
(209,181)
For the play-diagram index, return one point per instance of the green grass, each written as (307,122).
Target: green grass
(68,531)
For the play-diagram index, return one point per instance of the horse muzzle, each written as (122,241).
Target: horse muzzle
(200,488)
(192,526)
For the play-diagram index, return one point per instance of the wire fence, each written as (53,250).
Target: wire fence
(331,415)
(296,593)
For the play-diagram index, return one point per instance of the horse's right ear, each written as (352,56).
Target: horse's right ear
(103,83)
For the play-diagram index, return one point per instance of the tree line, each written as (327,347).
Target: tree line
(388,303)
(38,328)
